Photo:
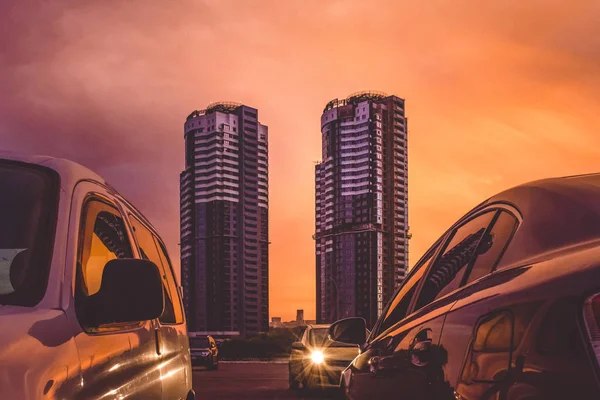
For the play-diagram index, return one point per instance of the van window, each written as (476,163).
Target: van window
(171,285)
(151,249)
(28,208)
(103,237)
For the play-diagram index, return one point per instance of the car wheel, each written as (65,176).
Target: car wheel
(293,383)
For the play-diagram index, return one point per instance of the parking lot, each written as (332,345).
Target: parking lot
(264,381)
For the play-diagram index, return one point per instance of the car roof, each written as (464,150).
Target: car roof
(70,172)
(556,212)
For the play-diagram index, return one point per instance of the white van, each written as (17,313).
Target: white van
(89,304)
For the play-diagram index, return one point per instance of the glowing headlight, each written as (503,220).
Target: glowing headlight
(317,357)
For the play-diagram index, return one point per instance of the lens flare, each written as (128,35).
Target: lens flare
(317,357)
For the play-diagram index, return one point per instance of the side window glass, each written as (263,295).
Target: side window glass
(492,246)
(102,238)
(399,305)
(150,251)
(446,273)
(171,285)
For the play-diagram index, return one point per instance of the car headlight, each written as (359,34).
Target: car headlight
(317,357)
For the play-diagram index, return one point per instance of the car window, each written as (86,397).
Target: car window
(103,237)
(398,308)
(446,273)
(492,246)
(28,207)
(199,343)
(318,336)
(171,284)
(151,250)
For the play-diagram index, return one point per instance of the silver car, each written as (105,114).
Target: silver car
(318,362)
(89,304)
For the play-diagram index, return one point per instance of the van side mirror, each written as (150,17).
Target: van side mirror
(349,330)
(131,291)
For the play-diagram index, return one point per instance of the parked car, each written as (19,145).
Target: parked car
(204,351)
(505,305)
(316,361)
(89,304)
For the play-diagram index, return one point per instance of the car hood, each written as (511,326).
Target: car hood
(346,353)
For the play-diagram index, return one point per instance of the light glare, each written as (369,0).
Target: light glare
(317,357)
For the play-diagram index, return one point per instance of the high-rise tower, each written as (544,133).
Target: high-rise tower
(224,220)
(361,206)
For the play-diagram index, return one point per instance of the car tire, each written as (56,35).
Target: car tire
(293,383)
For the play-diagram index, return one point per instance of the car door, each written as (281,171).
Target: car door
(117,360)
(380,371)
(487,322)
(406,357)
(170,331)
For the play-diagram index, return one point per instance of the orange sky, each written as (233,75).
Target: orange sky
(497,94)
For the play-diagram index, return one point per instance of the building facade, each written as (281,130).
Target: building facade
(361,206)
(224,221)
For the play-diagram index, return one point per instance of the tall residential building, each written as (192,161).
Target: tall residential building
(361,206)
(224,221)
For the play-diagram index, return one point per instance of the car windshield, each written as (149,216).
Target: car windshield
(28,206)
(199,343)
(318,336)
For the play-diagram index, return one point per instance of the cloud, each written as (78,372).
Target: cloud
(494,89)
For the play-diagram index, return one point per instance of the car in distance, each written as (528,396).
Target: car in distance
(505,305)
(89,304)
(317,362)
(204,351)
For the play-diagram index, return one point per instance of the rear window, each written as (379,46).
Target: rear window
(28,208)
(199,343)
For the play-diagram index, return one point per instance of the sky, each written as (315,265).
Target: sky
(497,94)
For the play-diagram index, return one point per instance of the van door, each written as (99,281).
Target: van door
(173,344)
(116,359)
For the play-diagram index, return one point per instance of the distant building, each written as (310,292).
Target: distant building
(361,206)
(275,322)
(299,315)
(224,220)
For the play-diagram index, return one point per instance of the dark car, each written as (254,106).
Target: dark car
(317,362)
(90,307)
(204,352)
(505,305)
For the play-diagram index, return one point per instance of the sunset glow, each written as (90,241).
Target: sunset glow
(496,95)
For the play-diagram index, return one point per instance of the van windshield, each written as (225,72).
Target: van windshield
(28,207)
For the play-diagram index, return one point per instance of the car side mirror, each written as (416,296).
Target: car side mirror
(349,330)
(131,291)
(297,346)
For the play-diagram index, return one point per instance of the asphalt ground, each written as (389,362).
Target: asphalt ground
(252,380)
